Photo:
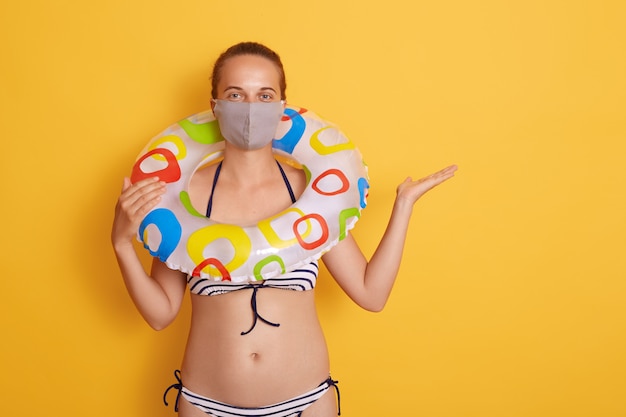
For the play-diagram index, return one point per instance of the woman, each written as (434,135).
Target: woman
(276,354)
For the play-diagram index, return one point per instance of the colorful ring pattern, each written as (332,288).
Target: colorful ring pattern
(336,192)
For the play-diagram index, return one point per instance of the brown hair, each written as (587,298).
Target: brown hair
(248,48)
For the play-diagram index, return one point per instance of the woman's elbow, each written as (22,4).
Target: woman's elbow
(158,326)
(373,306)
(159,323)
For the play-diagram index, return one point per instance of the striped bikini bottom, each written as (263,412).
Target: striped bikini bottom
(290,408)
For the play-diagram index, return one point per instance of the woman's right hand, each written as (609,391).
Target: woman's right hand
(133,204)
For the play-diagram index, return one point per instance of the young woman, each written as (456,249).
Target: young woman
(272,360)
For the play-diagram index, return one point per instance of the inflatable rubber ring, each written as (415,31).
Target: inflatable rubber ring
(186,240)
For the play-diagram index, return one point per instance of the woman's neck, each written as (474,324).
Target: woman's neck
(248,166)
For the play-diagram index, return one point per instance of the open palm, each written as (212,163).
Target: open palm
(412,190)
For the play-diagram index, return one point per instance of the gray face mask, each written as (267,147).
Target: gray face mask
(248,125)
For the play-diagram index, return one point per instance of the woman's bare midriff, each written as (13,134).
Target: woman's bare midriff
(268,365)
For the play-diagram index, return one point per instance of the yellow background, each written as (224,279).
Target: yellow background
(511,297)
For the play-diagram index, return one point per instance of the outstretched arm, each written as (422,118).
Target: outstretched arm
(158,296)
(369,283)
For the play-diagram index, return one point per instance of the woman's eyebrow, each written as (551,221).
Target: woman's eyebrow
(241,90)
(232,87)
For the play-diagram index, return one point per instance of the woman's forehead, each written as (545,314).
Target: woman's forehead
(245,70)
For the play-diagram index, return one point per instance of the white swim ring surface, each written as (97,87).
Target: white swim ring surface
(186,240)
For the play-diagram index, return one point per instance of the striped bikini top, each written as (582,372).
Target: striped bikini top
(301,279)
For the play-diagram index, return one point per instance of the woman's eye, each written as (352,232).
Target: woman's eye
(266,97)
(235,97)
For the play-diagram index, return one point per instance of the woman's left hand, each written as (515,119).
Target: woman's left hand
(411,191)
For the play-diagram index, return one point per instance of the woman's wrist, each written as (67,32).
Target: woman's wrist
(403,205)
(122,245)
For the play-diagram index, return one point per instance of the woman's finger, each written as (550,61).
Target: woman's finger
(142,188)
(125,184)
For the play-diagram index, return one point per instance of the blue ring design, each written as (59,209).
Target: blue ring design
(170,228)
(363,186)
(288,142)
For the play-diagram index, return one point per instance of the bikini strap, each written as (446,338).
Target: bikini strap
(332,383)
(217,174)
(282,172)
(178,386)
